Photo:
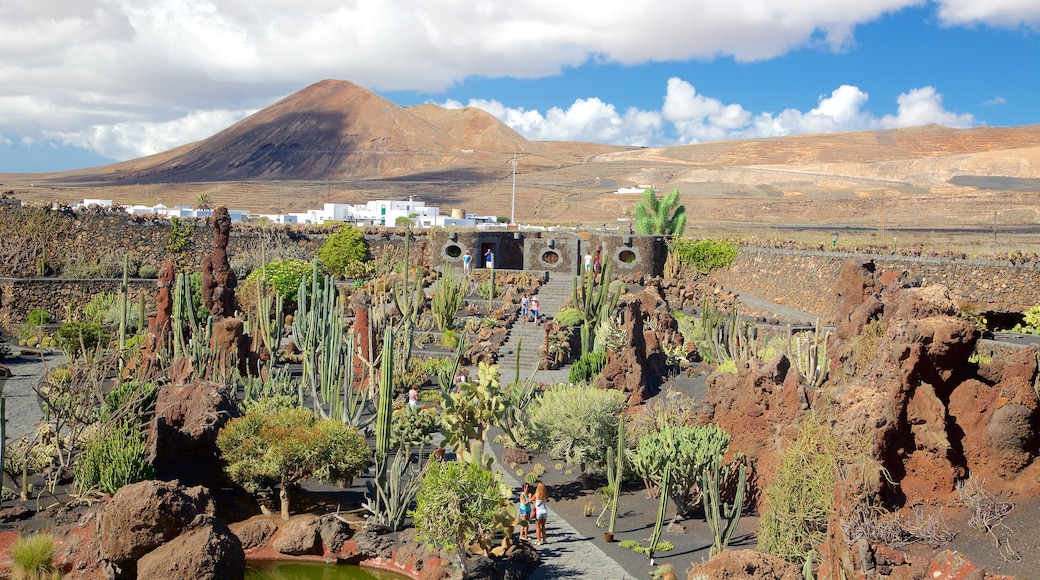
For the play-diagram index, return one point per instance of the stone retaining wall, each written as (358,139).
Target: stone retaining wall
(805,279)
(19,296)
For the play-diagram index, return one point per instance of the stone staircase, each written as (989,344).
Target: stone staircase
(551,297)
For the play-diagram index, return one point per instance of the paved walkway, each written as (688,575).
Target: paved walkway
(22,405)
(567,553)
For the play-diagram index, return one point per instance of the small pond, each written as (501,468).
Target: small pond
(265,570)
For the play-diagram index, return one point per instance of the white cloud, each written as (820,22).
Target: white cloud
(126,77)
(921,107)
(999,13)
(690,117)
(136,139)
(997,100)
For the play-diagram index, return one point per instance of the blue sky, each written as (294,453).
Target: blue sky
(86,82)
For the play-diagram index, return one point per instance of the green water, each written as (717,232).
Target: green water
(314,571)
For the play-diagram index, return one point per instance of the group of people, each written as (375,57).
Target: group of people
(529,308)
(533,506)
(467,260)
(591,262)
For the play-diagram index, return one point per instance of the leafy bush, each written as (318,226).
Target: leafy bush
(148,271)
(588,366)
(576,423)
(32,558)
(283,276)
(114,460)
(343,248)
(484,290)
(460,504)
(799,499)
(704,255)
(288,446)
(79,338)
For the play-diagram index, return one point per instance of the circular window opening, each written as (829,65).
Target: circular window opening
(627,256)
(550,257)
(453,251)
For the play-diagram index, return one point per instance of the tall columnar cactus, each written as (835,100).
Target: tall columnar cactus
(409,299)
(386,408)
(183,314)
(810,357)
(123,311)
(596,303)
(619,472)
(722,517)
(491,289)
(662,505)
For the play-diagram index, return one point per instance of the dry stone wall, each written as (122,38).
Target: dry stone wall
(19,296)
(804,280)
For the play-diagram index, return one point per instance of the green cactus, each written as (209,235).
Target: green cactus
(721,517)
(123,311)
(491,289)
(618,472)
(385,406)
(448,296)
(390,496)
(662,505)
(596,303)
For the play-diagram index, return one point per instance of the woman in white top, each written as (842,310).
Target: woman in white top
(541,511)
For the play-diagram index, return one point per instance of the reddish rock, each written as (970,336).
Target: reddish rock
(218,279)
(950,565)
(182,437)
(143,516)
(299,536)
(207,550)
(254,533)
(745,565)
(627,370)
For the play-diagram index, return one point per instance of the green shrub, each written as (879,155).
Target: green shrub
(704,255)
(568,317)
(32,558)
(38,317)
(148,271)
(1031,322)
(343,248)
(289,446)
(799,499)
(588,366)
(576,423)
(80,338)
(460,504)
(114,460)
(687,449)
(408,427)
(283,276)
(130,397)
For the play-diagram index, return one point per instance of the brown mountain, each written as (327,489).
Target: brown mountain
(336,141)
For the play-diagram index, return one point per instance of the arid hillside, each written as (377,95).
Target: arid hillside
(337,142)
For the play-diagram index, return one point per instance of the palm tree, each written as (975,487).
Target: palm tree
(202,202)
(665,217)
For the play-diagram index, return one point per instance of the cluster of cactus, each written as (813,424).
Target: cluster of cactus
(596,302)
(469,412)
(113,460)
(391,494)
(616,471)
(686,450)
(385,406)
(810,357)
(729,338)
(448,296)
(722,517)
(269,316)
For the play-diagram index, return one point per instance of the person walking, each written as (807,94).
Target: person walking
(524,306)
(534,308)
(413,398)
(541,511)
(526,500)
(588,262)
(467,258)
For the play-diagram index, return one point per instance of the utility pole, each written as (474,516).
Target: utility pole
(512,214)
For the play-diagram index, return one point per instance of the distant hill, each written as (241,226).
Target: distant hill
(336,141)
